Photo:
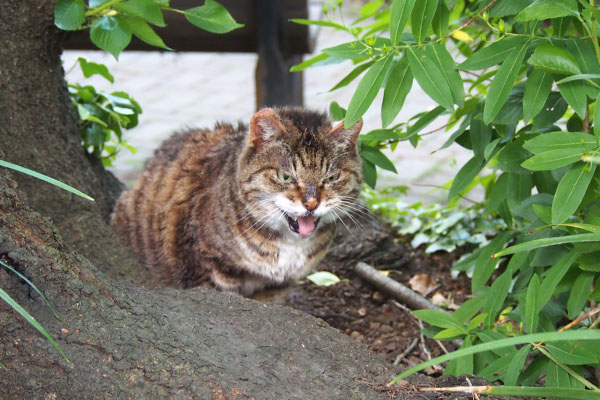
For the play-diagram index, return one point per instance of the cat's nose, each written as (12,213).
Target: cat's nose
(311,204)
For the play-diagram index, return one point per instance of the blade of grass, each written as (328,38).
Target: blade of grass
(44,178)
(569,370)
(521,391)
(588,334)
(17,307)
(31,285)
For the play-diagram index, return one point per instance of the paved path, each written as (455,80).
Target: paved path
(178,90)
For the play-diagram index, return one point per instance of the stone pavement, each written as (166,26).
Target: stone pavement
(178,90)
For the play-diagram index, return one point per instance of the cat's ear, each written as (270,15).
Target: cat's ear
(347,134)
(264,127)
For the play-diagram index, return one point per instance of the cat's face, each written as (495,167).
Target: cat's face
(298,172)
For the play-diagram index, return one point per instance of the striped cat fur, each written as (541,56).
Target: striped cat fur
(243,208)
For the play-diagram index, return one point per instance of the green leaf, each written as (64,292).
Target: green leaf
(543,392)
(146,10)
(465,176)
(421,18)
(497,194)
(506,8)
(351,51)
(110,34)
(380,135)
(352,75)
(401,10)
(69,15)
(553,277)
(575,93)
(447,66)
(561,140)
(441,19)
(570,191)
(503,82)
(145,33)
(517,362)
(469,308)
(552,111)
(337,112)
(323,278)
(597,118)
(493,54)
(366,91)
(369,173)
(424,119)
(91,68)
(211,17)
(511,156)
(376,157)
(396,89)
(439,319)
(449,333)
(578,77)
(480,134)
(44,178)
(579,293)
(520,189)
(553,159)
(17,307)
(430,78)
(552,241)
(485,265)
(554,59)
(546,9)
(307,63)
(585,334)
(537,90)
(496,296)
(532,306)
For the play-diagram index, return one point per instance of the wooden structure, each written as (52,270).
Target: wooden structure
(267,32)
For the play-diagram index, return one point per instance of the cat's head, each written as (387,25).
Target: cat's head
(299,172)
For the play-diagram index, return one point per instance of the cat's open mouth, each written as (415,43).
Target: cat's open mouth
(303,226)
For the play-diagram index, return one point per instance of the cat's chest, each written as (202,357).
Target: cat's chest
(293,258)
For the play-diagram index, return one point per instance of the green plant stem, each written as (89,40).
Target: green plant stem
(102,7)
(569,370)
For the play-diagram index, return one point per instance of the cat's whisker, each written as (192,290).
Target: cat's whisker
(342,221)
(353,219)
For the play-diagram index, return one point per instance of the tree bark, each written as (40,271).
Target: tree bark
(38,130)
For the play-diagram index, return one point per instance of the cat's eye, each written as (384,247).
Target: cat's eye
(332,178)
(285,177)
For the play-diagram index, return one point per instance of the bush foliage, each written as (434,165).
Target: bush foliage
(519,82)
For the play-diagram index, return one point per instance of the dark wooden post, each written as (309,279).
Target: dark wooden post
(275,84)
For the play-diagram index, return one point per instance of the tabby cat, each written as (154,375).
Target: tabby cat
(240,209)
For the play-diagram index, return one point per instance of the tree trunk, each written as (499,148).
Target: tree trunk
(38,130)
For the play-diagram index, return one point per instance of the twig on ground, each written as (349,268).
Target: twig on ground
(406,351)
(395,289)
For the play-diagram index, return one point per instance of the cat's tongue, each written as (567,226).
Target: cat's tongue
(306,225)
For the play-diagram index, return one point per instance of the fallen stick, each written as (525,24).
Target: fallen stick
(395,289)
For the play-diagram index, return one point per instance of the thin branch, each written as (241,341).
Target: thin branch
(474,17)
(394,288)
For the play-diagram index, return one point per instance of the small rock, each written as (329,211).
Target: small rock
(356,336)
(362,311)
(374,325)
(378,297)
(386,329)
